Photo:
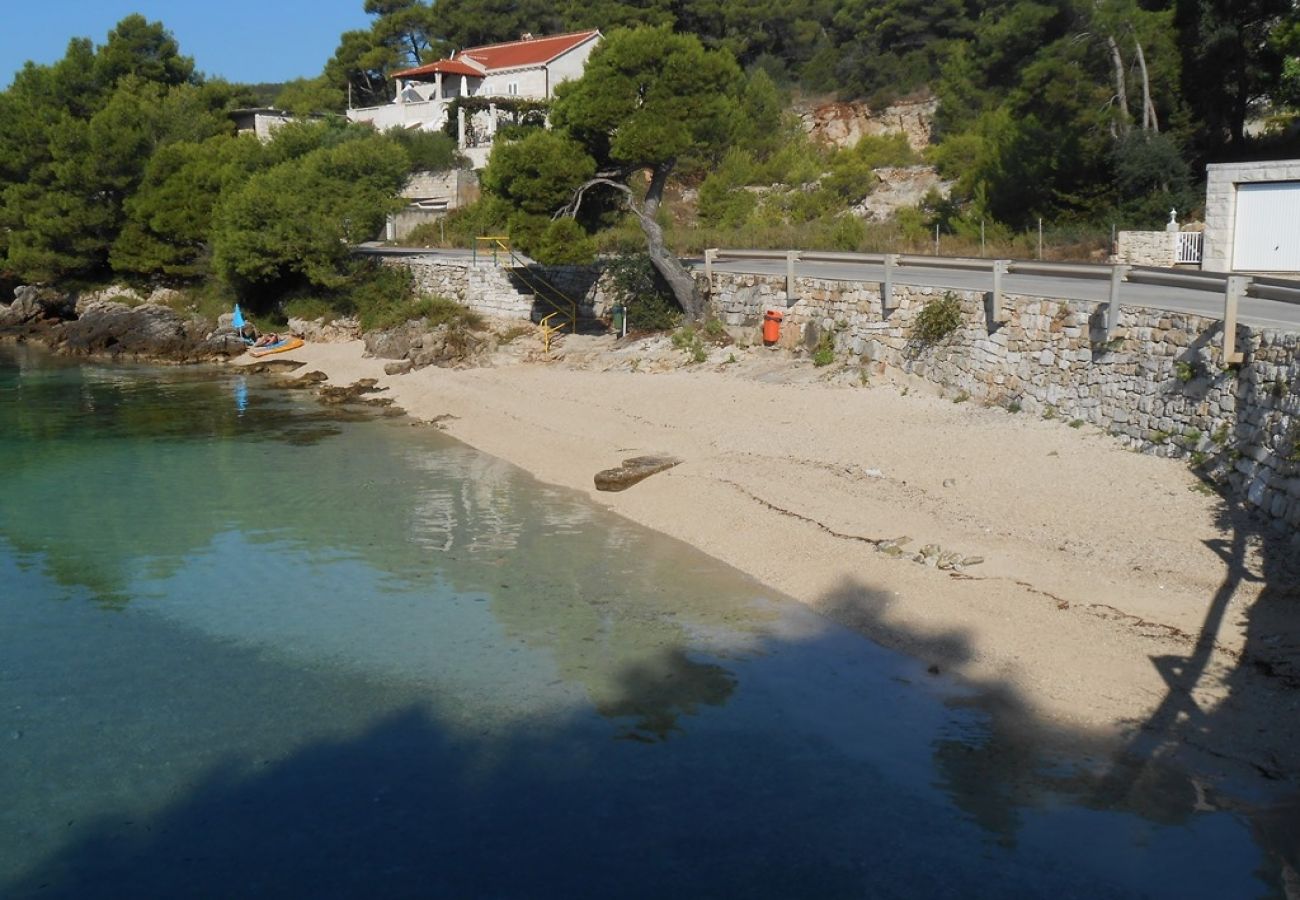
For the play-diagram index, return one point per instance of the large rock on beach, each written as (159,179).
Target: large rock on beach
(396,343)
(106,326)
(319,331)
(634,470)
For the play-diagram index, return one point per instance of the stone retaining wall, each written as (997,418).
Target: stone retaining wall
(486,289)
(1146,248)
(502,291)
(1159,385)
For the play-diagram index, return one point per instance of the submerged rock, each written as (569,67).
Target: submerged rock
(633,470)
(352,393)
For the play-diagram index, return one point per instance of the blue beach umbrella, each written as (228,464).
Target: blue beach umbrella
(238,322)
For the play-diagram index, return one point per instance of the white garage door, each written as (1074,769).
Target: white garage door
(1267,232)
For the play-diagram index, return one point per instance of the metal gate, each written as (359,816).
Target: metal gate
(1189,247)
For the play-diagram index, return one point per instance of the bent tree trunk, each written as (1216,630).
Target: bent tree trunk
(680,281)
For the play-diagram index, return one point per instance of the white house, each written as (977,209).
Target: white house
(262,121)
(527,69)
(1252,217)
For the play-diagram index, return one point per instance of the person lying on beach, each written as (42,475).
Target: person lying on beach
(265,339)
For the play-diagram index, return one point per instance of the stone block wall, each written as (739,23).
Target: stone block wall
(1159,385)
(486,289)
(1146,248)
(501,291)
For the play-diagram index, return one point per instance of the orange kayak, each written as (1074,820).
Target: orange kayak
(277,347)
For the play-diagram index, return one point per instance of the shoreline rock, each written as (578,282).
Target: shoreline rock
(96,325)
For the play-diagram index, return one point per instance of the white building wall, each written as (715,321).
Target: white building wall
(531,84)
(429,115)
(571,64)
(1222,180)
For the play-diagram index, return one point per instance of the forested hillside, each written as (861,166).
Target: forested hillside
(1078,109)
(120,160)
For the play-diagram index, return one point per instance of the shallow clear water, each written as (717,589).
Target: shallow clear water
(250,646)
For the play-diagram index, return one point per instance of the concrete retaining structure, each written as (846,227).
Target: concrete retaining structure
(1159,385)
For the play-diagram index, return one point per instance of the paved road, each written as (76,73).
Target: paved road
(1251,311)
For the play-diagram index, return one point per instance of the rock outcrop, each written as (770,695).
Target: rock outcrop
(900,187)
(415,342)
(94,324)
(844,124)
(34,309)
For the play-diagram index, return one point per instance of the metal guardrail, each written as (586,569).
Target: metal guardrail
(1231,287)
(1263,287)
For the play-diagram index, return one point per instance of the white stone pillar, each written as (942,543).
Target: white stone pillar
(460,127)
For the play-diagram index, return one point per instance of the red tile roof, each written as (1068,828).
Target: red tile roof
(522,54)
(445,66)
(529,52)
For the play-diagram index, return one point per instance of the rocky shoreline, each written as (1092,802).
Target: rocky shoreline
(94,324)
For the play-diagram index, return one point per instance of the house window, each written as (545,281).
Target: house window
(512,88)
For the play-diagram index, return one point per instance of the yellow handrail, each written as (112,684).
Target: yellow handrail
(541,288)
(548,330)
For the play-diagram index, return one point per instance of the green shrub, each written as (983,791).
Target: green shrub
(564,243)
(310,307)
(687,339)
(824,354)
(426,234)
(940,317)
(1184,371)
(635,284)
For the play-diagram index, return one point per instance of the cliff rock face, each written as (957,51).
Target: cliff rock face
(844,124)
(899,187)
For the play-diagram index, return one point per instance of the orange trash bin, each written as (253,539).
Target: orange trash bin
(772,326)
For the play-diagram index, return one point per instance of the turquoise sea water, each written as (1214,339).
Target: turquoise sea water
(253,647)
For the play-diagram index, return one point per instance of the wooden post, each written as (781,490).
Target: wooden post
(887,289)
(1117,275)
(790,257)
(1234,290)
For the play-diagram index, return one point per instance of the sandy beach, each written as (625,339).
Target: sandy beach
(1088,573)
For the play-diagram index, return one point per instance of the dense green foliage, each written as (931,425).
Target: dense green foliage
(1071,111)
(120,161)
